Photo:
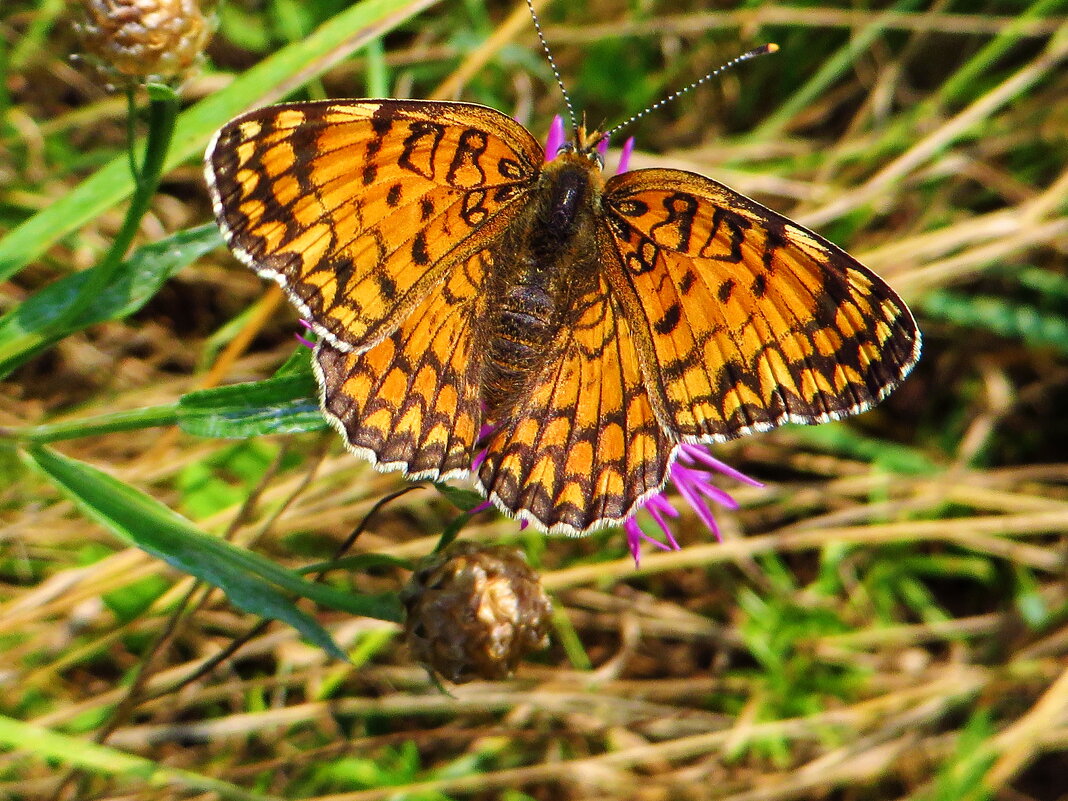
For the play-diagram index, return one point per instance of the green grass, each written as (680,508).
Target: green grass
(886,619)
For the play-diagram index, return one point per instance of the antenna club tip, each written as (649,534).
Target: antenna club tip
(771,47)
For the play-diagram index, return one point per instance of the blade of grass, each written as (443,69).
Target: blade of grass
(52,746)
(960,127)
(957,89)
(269,80)
(843,440)
(131,420)
(36,323)
(32,42)
(251,582)
(284,404)
(841,61)
(1001,316)
(280,405)
(139,520)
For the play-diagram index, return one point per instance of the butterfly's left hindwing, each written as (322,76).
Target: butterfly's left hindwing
(360,208)
(583,447)
(744,319)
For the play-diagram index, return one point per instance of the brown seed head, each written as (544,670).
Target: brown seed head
(133,42)
(474,611)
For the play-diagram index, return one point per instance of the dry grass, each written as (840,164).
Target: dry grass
(887,619)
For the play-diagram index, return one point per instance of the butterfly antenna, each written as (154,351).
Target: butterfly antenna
(552,64)
(763,50)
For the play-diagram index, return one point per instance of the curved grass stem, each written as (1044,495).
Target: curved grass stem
(162,113)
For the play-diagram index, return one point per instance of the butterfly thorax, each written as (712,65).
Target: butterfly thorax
(543,262)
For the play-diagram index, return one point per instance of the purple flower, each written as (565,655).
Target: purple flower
(692,477)
(692,472)
(305,342)
(555,139)
(624,154)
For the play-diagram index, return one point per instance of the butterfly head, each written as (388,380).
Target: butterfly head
(591,145)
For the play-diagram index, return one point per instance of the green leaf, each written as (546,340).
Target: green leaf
(26,330)
(281,405)
(452,531)
(268,81)
(285,404)
(1000,316)
(251,582)
(141,521)
(130,420)
(463,499)
(839,438)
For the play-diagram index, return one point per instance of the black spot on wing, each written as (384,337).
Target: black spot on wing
(669,320)
(419,252)
(759,287)
(725,290)
(393,196)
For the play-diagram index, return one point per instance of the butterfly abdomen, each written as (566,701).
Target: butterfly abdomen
(540,263)
(520,327)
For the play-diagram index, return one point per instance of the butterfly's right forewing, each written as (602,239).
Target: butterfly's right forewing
(359,209)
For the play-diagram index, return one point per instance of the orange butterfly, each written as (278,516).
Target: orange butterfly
(555,335)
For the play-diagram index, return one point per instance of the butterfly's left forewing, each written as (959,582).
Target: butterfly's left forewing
(376,217)
(744,319)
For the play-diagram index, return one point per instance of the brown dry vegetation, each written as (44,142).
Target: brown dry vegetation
(887,619)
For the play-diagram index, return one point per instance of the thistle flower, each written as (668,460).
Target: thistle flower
(475,611)
(136,42)
(691,475)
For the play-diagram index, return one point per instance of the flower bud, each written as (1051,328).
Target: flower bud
(133,42)
(474,611)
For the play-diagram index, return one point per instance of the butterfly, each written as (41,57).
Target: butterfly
(554,335)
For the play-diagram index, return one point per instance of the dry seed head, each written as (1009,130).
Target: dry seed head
(474,612)
(135,42)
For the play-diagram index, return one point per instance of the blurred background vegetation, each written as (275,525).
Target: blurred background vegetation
(886,619)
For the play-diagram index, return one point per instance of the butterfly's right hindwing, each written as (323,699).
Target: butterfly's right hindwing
(583,448)
(413,401)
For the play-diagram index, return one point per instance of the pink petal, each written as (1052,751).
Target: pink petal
(624,155)
(555,140)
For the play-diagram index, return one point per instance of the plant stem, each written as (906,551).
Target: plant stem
(162,112)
